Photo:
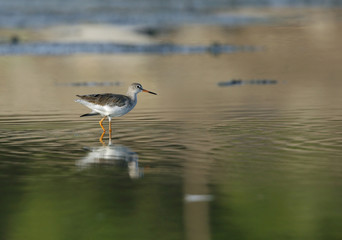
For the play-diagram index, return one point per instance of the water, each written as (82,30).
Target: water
(39,13)
(197,161)
(110,48)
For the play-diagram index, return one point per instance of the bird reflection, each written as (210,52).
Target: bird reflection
(112,154)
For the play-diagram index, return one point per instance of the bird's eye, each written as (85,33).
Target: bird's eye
(138,86)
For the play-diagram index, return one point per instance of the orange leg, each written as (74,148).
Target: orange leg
(100,122)
(101,138)
(110,128)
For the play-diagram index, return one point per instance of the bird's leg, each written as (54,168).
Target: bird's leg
(101,138)
(110,128)
(100,122)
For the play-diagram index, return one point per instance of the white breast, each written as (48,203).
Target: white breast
(112,111)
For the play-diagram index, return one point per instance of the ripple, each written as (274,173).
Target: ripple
(278,142)
(36,142)
(261,140)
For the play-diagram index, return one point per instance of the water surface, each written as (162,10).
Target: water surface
(197,161)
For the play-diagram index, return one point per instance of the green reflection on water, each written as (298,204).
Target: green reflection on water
(79,207)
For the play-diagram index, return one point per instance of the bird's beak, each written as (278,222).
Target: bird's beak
(144,90)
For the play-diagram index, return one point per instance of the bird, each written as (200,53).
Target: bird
(110,105)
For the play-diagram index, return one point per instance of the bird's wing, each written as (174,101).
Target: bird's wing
(106,99)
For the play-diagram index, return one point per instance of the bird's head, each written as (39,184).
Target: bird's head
(137,88)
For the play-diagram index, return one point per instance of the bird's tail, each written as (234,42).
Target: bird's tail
(89,114)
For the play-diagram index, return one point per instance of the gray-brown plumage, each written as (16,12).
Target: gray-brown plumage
(106,99)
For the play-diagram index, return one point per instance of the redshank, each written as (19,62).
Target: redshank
(110,105)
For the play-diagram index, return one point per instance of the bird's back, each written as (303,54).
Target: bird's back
(107,99)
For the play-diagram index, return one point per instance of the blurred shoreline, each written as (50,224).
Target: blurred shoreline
(40,13)
(52,29)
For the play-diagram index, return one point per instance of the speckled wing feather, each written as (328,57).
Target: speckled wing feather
(106,99)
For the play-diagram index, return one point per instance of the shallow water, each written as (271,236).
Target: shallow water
(197,161)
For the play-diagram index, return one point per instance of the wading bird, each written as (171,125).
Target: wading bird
(110,105)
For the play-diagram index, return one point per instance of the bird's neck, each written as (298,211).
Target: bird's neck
(132,96)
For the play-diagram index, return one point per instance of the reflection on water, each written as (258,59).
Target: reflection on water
(109,155)
(198,198)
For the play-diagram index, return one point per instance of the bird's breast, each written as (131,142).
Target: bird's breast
(118,111)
